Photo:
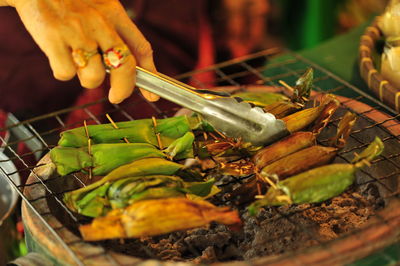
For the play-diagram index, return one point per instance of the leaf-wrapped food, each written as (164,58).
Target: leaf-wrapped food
(300,161)
(155,217)
(136,131)
(142,167)
(129,190)
(300,120)
(181,148)
(261,98)
(102,158)
(317,184)
(284,147)
(118,193)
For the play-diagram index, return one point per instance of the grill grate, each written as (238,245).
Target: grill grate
(263,68)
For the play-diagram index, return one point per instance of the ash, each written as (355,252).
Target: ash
(273,231)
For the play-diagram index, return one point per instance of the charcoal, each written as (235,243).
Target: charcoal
(273,231)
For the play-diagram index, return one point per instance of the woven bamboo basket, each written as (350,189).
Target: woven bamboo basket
(382,88)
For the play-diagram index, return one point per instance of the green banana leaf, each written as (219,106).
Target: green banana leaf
(142,167)
(136,131)
(303,87)
(126,191)
(201,189)
(182,147)
(317,184)
(261,99)
(103,158)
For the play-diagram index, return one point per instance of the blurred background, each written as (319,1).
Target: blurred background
(185,35)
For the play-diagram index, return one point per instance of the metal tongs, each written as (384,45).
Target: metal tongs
(236,119)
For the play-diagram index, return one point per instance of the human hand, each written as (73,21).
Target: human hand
(245,26)
(63,27)
(4,3)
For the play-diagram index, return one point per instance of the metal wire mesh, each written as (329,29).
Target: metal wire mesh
(263,68)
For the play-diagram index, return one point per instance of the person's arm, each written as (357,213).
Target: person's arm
(62,28)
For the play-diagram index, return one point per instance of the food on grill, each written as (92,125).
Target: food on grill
(311,155)
(143,179)
(278,104)
(302,89)
(138,184)
(142,167)
(282,108)
(225,147)
(294,123)
(301,119)
(344,129)
(136,131)
(261,100)
(126,191)
(331,105)
(300,161)
(181,148)
(292,155)
(101,158)
(284,147)
(318,184)
(155,217)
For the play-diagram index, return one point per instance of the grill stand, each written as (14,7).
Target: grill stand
(346,249)
(379,232)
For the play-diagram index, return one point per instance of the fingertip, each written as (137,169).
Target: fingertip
(64,75)
(89,82)
(151,97)
(113,97)
(117,96)
(148,64)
